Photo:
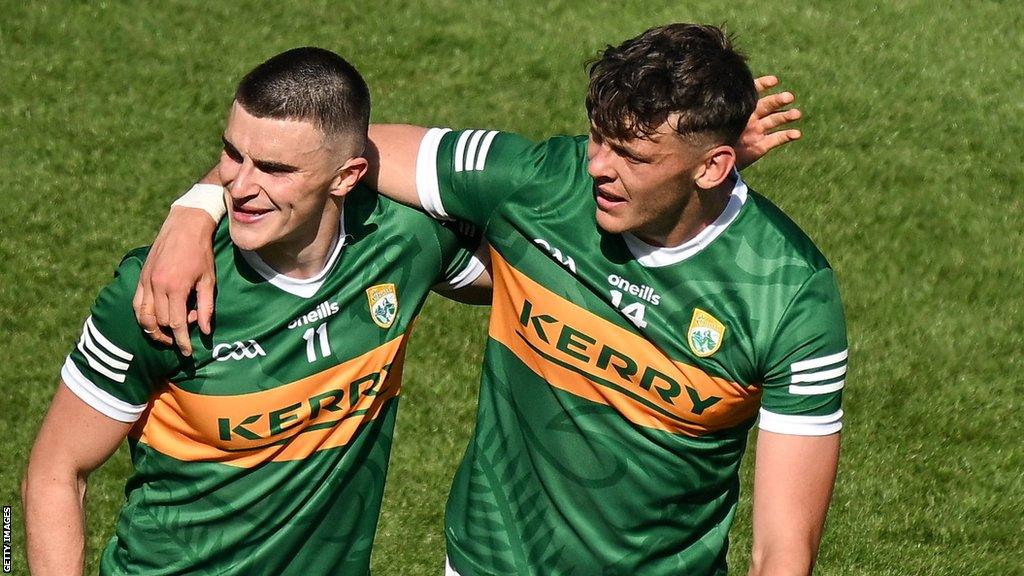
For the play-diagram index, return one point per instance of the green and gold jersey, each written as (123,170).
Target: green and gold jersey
(267,452)
(620,379)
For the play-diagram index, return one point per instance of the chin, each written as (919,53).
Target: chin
(246,239)
(609,223)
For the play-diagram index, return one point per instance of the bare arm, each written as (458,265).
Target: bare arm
(392,154)
(793,481)
(73,441)
(180,260)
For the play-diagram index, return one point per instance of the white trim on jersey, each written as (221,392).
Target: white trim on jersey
(820,362)
(474,268)
(471,150)
(104,402)
(808,371)
(798,425)
(448,570)
(657,256)
(426,173)
(107,344)
(301,287)
(485,147)
(101,354)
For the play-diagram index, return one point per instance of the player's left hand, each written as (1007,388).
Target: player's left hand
(761,134)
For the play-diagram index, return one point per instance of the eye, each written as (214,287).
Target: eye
(233,154)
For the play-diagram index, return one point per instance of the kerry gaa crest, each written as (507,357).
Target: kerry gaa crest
(383,304)
(705,333)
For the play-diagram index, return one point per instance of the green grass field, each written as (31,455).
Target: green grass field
(909,178)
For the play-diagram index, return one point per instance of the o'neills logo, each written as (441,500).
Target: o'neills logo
(322,311)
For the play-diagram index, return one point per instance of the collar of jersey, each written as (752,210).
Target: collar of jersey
(656,256)
(301,287)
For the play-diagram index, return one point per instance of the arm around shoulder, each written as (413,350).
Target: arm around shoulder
(392,151)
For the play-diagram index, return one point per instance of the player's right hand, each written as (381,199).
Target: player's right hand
(180,261)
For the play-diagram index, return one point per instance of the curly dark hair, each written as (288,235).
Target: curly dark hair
(689,70)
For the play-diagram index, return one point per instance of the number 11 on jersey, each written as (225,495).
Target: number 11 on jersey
(319,333)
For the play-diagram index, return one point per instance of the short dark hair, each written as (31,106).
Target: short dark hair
(313,85)
(687,69)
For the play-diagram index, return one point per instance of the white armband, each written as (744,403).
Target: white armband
(207,197)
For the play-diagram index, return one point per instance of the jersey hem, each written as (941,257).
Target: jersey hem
(800,425)
(427,188)
(99,399)
(476,265)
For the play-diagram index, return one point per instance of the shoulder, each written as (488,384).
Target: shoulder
(483,151)
(776,241)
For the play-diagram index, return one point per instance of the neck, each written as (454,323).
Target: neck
(700,210)
(305,253)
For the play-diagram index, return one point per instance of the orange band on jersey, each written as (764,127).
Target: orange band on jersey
(288,422)
(583,354)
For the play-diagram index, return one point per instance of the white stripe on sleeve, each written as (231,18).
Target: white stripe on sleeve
(474,267)
(801,425)
(427,187)
(460,149)
(819,362)
(93,349)
(819,376)
(107,345)
(481,156)
(812,390)
(471,149)
(100,399)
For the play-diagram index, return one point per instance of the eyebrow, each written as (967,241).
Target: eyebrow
(626,151)
(262,165)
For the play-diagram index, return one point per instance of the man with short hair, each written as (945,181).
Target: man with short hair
(265,452)
(646,305)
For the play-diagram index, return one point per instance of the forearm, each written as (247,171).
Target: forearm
(54,521)
(794,560)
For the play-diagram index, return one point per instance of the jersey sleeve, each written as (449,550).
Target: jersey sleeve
(464,254)
(467,174)
(806,365)
(114,367)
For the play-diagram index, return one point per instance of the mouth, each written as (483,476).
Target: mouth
(248,214)
(606,200)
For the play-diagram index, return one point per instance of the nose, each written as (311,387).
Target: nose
(239,178)
(599,164)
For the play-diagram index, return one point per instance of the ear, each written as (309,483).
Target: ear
(716,167)
(350,173)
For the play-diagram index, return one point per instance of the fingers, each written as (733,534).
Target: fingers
(177,315)
(763,83)
(204,303)
(773,121)
(776,139)
(145,312)
(773,103)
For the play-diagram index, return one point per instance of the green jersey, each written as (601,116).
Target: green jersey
(620,379)
(266,452)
